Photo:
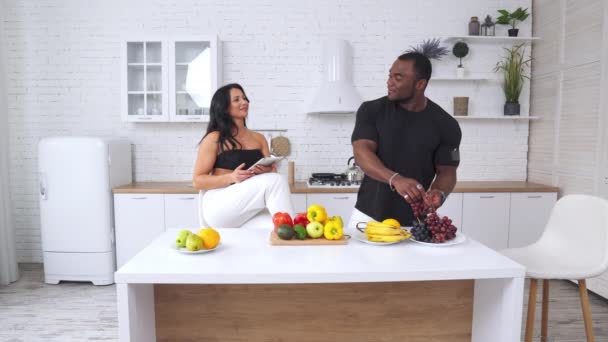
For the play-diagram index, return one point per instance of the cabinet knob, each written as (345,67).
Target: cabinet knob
(341,198)
(535,196)
(186,198)
(139,198)
(486,196)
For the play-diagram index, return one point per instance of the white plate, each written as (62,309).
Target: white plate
(460,238)
(357,235)
(186,251)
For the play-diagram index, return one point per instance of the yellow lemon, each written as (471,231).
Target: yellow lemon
(210,237)
(392,222)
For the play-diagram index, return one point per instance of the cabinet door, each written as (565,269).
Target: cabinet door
(145,81)
(485,218)
(529,215)
(335,204)
(139,219)
(298,202)
(181,211)
(193,77)
(452,208)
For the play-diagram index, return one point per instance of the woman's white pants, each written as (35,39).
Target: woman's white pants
(232,206)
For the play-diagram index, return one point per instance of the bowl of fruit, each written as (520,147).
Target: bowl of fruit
(205,240)
(431,229)
(387,232)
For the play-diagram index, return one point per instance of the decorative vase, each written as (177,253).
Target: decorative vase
(513,32)
(460,72)
(474,26)
(461,106)
(511,108)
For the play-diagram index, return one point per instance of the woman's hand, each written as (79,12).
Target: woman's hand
(239,175)
(259,169)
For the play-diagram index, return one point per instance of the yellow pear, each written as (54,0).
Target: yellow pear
(194,243)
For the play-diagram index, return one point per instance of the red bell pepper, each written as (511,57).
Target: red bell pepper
(300,218)
(281,218)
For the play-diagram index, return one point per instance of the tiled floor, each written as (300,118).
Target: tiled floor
(33,311)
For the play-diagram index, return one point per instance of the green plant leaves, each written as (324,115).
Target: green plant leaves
(507,18)
(514,65)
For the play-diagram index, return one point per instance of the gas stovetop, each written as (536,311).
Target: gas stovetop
(331,180)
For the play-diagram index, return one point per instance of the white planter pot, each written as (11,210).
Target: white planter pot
(459,72)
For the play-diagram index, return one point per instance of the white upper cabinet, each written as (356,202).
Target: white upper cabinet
(144,81)
(193,77)
(169,79)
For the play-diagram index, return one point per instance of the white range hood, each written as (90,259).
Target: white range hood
(336,93)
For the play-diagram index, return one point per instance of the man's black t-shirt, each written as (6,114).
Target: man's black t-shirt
(410,143)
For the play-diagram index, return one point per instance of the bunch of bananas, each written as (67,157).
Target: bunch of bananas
(382,232)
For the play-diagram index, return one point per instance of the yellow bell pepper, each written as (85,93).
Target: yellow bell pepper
(316,213)
(333,229)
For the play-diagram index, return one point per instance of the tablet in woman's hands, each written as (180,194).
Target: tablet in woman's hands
(266,161)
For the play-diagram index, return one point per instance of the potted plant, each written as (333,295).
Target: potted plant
(460,50)
(514,67)
(507,18)
(431,48)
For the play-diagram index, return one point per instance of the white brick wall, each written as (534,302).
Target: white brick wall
(63,78)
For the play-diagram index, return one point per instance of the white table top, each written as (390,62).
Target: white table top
(245,256)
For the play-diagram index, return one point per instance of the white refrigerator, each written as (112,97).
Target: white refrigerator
(76,176)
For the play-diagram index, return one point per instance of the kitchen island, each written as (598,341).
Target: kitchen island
(248,290)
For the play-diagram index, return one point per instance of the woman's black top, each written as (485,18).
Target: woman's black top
(231,159)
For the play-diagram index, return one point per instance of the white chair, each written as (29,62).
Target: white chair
(574,245)
(262,220)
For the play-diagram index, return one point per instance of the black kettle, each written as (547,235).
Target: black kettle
(353,173)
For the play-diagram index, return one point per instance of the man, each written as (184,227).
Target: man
(406,144)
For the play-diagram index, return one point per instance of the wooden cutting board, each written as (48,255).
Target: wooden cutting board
(275,240)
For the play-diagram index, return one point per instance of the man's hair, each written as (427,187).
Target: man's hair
(422,64)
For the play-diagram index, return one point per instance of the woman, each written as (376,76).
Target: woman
(235,193)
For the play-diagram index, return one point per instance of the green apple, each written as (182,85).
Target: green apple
(314,229)
(194,243)
(180,240)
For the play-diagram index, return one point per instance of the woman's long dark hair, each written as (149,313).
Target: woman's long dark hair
(221,121)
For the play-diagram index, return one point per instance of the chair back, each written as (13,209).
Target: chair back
(578,226)
(201,219)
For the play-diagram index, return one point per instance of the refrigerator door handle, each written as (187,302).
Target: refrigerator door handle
(43,192)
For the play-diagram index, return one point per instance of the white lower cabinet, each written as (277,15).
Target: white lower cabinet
(335,204)
(528,216)
(298,202)
(452,208)
(485,218)
(139,219)
(181,211)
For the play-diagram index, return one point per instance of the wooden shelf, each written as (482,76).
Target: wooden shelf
(496,117)
(502,39)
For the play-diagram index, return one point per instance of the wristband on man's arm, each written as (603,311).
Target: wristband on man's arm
(443,195)
(390,181)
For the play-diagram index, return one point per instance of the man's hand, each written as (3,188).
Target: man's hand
(434,198)
(409,188)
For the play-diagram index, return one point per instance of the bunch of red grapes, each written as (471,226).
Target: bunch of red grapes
(429,227)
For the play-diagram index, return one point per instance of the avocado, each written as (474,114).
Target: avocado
(300,231)
(285,232)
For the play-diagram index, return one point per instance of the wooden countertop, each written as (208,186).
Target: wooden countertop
(156,188)
(497,186)
(302,188)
